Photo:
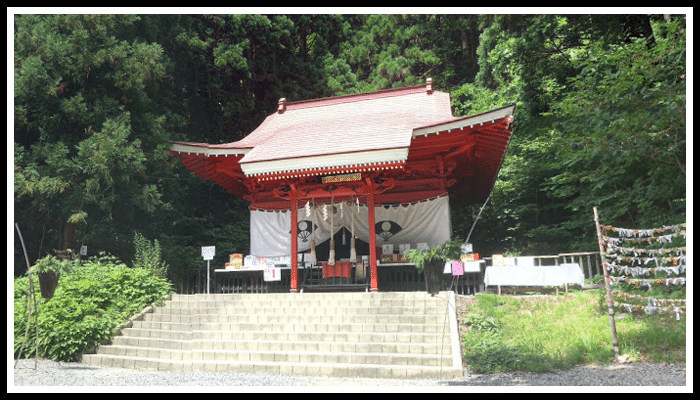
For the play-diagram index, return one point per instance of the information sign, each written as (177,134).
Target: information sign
(208,252)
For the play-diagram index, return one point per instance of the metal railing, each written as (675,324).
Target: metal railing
(391,278)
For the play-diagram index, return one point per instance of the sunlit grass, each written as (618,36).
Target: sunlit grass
(543,333)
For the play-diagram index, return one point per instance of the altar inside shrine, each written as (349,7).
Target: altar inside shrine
(355,172)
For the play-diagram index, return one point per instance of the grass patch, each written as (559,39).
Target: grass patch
(542,333)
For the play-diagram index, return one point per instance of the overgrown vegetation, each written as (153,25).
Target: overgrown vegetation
(148,256)
(542,333)
(92,299)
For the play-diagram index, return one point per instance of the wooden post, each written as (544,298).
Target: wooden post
(608,295)
(374,283)
(295,231)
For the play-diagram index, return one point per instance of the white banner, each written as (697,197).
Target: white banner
(423,222)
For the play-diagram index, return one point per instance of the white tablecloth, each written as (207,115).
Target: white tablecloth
(534,276)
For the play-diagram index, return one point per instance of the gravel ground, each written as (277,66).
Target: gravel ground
(50,373)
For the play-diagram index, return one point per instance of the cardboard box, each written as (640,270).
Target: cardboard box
(236,259)
(470,257)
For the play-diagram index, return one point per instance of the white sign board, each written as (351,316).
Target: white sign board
(272,274)
(208,252)
(83,250)
(467,248)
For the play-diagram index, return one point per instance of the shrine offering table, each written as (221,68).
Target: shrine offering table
(556,276)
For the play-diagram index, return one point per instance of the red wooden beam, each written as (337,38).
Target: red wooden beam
(374,283)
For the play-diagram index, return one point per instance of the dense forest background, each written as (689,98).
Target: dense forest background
(600,118)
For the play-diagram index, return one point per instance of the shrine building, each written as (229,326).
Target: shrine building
(381,167)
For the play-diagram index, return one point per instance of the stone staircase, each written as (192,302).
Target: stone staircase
(372,335)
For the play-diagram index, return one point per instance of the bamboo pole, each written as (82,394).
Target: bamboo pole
(608,295)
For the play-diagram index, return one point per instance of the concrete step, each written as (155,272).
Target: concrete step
(359,370)
(442,347)
(178,339)
(300,311)
(405,335)
(165,321)
(327,346)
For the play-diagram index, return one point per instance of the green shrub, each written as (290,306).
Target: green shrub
(89,303)
(147,256)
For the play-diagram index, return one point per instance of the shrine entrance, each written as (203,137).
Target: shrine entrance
(339,187)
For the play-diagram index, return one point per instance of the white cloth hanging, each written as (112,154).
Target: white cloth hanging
(423,222)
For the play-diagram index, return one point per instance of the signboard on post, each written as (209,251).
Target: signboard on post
(208,253)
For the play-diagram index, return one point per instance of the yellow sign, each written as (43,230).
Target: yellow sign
(498,260)
(342,178)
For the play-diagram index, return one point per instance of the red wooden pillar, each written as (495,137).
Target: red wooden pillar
(374,283)
(295,264)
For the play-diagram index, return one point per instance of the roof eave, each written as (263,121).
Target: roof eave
(207,149)
(310,165)
(471,120)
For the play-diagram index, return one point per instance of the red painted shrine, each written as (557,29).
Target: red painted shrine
(396,146)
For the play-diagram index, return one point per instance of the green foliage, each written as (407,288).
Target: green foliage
(600,121)
(449,250)
(51,264)
(89,126)
(482,323)
(91,301)
(148,256)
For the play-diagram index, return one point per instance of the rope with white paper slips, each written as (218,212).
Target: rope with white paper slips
(647,258)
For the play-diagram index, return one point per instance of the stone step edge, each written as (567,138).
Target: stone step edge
(289,344)
(372,327)
(344,370)
(415,356)
(286,319)
(299,310)
(263,333)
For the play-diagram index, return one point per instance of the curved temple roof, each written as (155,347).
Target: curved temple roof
(409,133)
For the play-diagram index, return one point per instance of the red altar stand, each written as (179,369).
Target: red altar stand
(341,269)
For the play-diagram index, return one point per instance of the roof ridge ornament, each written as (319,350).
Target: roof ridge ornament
(429,85)
(281,105)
